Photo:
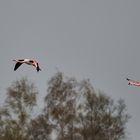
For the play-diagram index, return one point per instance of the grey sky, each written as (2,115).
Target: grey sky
(84,39)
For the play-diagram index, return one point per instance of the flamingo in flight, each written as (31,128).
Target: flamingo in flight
(31,62)
(133,82)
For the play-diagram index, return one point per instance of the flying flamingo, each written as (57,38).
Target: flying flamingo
(31,62)
(133,82)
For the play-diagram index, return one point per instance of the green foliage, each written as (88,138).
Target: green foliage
(73,111)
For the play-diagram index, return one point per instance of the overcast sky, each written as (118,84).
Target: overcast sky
(99,40)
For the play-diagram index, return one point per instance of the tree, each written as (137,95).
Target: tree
(60,105)
(80,113)
(100,117)
(21,98)
(40,128)
(73,111)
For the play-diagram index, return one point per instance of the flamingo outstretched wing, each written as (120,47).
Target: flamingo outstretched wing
(17,65)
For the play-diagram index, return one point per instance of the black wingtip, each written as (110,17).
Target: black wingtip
(127,79)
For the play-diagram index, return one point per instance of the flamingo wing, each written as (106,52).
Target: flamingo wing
(17,65)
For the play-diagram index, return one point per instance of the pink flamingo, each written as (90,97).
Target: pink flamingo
(133,82)
(31,62)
